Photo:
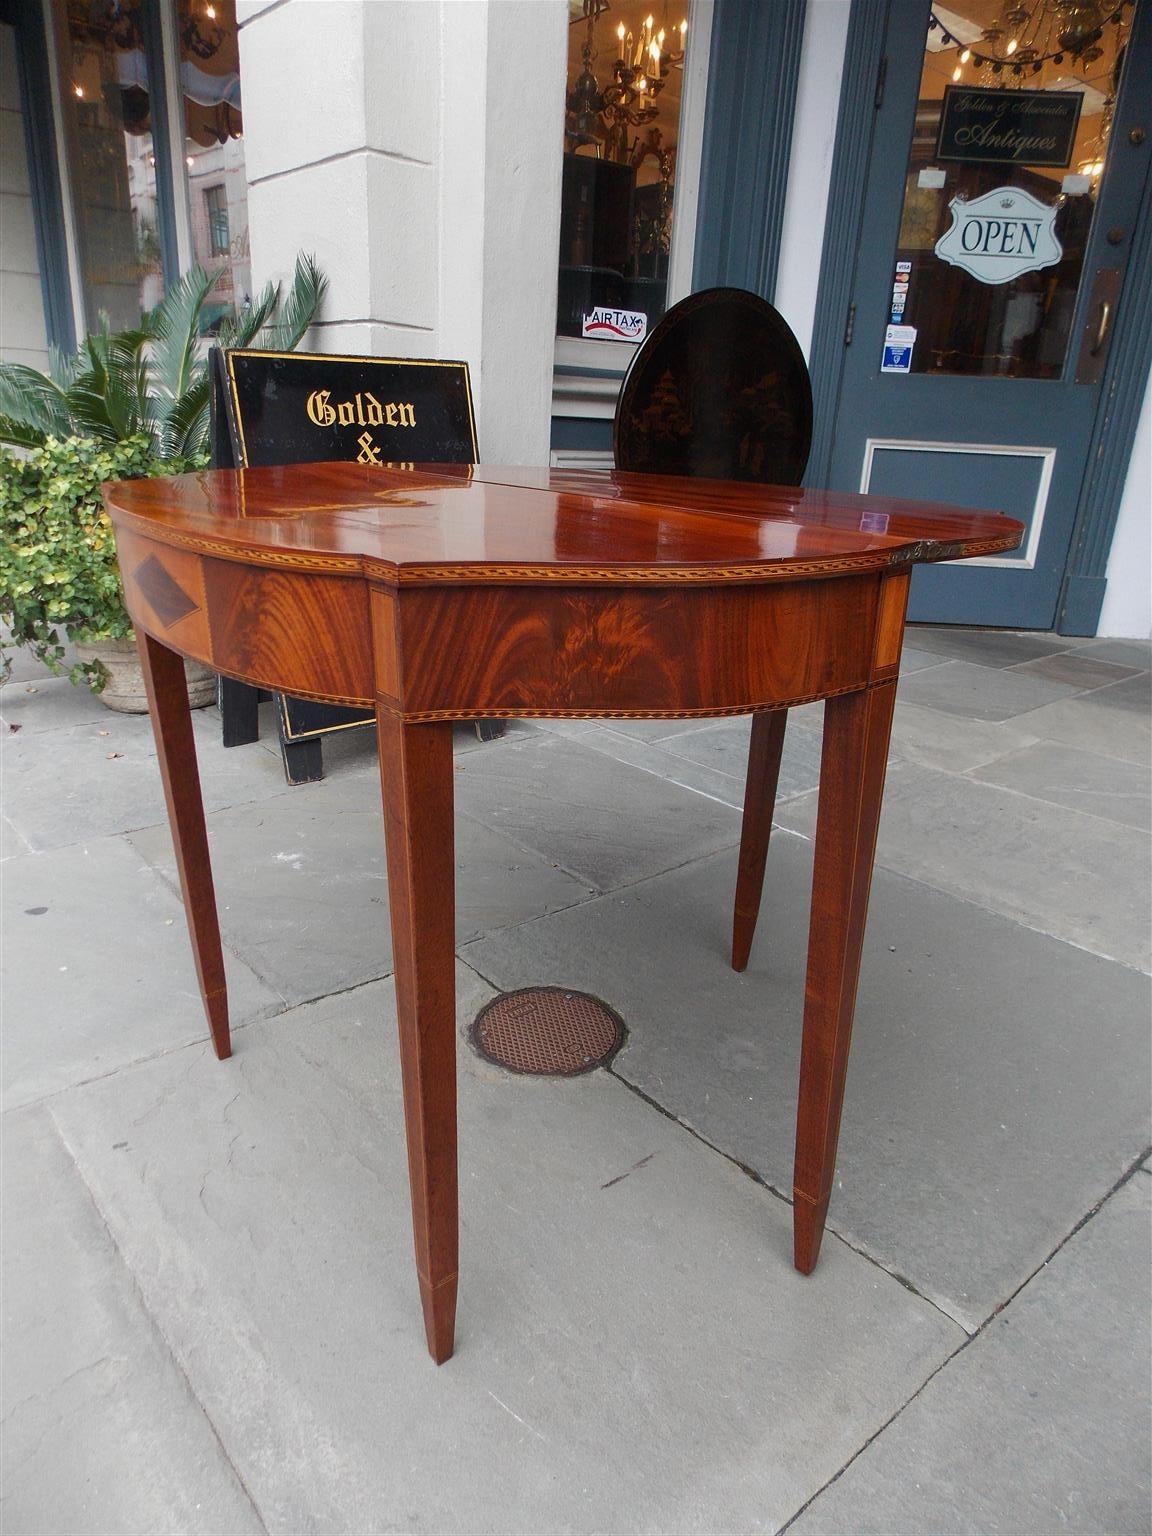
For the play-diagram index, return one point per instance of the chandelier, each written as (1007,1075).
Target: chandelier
(643,61)
(1027,36)
(201,41)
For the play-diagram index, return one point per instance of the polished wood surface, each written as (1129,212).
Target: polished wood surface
(764,753)
(416,774)
(852,764)
(435,594)
(167,688)
(450,524)
(719,390)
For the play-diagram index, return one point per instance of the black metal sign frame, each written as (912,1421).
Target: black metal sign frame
(310,407)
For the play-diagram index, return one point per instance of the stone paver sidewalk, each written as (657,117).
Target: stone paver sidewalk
(210,1315)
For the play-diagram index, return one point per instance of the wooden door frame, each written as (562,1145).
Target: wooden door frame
(1130,355)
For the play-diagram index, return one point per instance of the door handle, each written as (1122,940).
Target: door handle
(1103,325)
(1096,327)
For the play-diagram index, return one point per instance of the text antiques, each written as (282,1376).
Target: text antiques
(1033,128)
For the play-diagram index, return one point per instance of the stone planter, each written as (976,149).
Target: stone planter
(124,690)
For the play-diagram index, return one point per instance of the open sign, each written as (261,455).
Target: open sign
(1000,235)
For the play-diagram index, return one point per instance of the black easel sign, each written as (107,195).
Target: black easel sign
(271,408)
(308,407)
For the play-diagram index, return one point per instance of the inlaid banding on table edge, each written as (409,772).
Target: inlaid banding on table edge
(710,712)
(561,574)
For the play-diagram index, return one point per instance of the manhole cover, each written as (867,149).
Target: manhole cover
(547,1031)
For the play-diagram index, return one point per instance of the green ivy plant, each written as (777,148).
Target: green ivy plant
(58,570)
(126,404)
(151,381)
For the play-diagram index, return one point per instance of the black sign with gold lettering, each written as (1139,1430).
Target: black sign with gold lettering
(1008,127)
(304,407)
(307,407)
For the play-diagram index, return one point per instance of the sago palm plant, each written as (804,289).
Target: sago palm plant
(152,382)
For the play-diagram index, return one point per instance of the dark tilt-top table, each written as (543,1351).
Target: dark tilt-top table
(440,593)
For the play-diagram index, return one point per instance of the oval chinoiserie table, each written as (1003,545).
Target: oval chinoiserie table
(443,593)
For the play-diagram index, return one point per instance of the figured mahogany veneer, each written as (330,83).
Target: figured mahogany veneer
(440,593)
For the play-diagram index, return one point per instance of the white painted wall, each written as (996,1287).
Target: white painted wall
(23,338)
(1127,610)
(813,140)
(414,146)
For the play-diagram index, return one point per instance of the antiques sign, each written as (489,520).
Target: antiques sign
(1011,127)
(1001,235)
(299,407)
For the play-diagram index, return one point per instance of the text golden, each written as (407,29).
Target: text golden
(363,410)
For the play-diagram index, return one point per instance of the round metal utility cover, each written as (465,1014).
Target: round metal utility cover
(547,1032)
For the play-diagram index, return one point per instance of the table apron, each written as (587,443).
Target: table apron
(434,653)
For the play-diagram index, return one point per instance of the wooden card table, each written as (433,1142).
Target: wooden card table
(447,593)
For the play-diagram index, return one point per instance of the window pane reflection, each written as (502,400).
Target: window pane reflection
(214,151)
(621,131)
(107,104)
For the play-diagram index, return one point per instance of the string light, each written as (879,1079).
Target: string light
(1026,52)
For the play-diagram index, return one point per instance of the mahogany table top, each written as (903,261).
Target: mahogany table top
(448,524)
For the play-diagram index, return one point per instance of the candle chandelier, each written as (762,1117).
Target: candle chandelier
(603,117)
(1025,37)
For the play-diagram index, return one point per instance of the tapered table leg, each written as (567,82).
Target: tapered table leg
(764,754)
(856,731)
(167,691)
(416,778)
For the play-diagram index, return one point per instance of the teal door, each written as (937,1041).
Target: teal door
(1007,167)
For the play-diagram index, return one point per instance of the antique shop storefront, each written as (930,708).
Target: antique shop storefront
(949,203)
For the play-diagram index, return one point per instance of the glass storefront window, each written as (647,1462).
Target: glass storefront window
(1008,150)
(107,104)
(121,172)
(621,132)
(214,151)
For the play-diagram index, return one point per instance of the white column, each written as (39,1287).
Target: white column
(414,147)
(527,68)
